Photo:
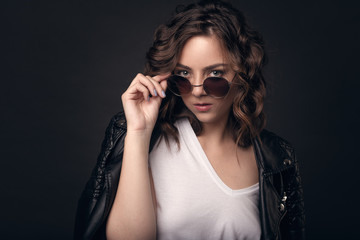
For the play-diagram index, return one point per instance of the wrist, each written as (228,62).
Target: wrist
(140,135)
(139,129)
(137,142)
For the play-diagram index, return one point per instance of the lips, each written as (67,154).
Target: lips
(203,107)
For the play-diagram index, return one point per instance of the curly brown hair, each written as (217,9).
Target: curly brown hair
(245,50)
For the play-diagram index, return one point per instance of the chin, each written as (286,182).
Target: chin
(207,117)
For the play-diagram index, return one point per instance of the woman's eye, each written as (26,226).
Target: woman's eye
(182,73)
(216,73)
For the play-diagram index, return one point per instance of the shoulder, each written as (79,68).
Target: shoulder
(276,152)
(276,143)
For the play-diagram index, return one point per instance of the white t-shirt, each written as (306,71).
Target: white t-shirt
(192,201)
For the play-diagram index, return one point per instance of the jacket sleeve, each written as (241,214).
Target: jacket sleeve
(293,226)
(96,200)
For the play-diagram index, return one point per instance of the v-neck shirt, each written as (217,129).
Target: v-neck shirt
(192,200)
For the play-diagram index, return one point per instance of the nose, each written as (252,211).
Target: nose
(198,88)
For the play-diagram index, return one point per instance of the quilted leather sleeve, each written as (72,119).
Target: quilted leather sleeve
(93,205)
(293,226)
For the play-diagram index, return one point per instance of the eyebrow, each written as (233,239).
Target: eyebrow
(205,68)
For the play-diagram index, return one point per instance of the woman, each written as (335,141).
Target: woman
(188,158)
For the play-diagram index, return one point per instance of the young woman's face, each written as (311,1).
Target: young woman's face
(202,57)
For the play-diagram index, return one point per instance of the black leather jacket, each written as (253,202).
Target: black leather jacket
(281,205)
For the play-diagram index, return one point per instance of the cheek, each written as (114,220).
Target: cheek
(185,100)
(228,101)
(234,95)
(225,105)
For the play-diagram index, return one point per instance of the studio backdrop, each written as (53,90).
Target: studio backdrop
(65,64)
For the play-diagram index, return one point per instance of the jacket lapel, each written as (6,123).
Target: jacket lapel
(269,160)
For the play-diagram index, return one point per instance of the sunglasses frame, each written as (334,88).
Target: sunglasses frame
(242,75)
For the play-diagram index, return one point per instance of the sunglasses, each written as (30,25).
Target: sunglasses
(216,87)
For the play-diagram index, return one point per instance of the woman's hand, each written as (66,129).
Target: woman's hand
(141,110)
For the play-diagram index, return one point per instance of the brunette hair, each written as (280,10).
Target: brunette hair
(245,50)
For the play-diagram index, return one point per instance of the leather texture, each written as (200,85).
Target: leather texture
(281,203)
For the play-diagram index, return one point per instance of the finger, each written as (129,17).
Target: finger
(150,84)
(157,80)
(158,90)
(144,90)
(135,91)
(164,84)
(161,77)
(137,78)
(145,81)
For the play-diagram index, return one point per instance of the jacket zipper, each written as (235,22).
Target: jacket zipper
(284,211)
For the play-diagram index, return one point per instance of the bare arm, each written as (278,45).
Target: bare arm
(132,215)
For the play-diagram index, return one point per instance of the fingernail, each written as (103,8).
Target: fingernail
(163,93)
(155,93)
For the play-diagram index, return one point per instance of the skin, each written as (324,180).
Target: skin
(135,201)
(202,57)
(197,55)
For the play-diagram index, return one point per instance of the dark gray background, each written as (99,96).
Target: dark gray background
(64,65)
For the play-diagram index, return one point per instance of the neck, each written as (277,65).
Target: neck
(216,133)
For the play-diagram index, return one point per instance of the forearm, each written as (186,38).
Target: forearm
(133,215)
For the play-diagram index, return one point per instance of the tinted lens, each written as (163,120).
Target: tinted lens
(216,86)
(179,85)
